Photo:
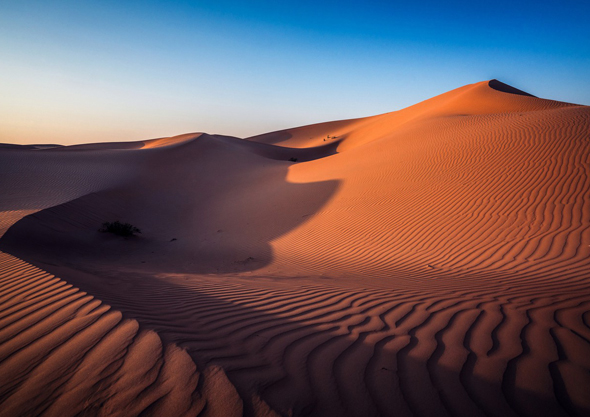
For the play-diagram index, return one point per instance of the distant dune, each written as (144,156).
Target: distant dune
(433,261)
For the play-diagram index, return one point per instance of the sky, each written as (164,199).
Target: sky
(104,71)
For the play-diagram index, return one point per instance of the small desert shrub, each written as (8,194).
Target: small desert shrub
(292,159)
(119,229)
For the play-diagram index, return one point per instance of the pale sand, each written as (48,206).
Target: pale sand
(430,261)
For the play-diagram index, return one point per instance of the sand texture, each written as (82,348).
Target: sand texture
(433,261)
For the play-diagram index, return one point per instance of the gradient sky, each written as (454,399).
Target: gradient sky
(85,71)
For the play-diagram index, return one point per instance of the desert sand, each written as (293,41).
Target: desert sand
(432,261)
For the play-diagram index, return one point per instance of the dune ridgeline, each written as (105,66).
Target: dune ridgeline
(433,261)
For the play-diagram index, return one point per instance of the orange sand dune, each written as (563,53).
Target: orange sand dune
(430,261)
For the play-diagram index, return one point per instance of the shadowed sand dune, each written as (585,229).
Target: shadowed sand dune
(64,352)
(217,196)
(430,261)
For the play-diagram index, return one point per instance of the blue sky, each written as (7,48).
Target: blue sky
(74,72)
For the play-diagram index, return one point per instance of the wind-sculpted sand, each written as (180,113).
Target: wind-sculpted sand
(66,353)
(432,261)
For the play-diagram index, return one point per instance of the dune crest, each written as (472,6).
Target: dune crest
(429,261)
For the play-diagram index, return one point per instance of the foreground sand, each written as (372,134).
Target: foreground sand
(430,261)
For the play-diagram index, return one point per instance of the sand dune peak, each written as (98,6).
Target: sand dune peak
(430,261)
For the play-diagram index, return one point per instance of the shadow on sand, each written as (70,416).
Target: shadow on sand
(211,205)
(304,348)
(307,349)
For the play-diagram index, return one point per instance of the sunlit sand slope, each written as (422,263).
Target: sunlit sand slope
(474,180)
(433,261)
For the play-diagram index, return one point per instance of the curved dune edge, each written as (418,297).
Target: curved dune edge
(63,352)
(430,261)
(505,88)
(482,98)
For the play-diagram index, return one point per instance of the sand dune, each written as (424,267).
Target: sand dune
(66,353)
(430,261)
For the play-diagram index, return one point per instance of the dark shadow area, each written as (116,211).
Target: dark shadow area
(272,137)
(316,351)
(505,88)
(284,153)
(314,130)
(101,146)
(12,146)
(37,179)
(210,205)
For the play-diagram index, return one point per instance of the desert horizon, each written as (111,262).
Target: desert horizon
(220,208)
(430,261)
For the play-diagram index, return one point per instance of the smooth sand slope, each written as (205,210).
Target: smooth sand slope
(432,261)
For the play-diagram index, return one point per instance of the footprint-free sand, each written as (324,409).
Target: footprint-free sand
(433,261)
